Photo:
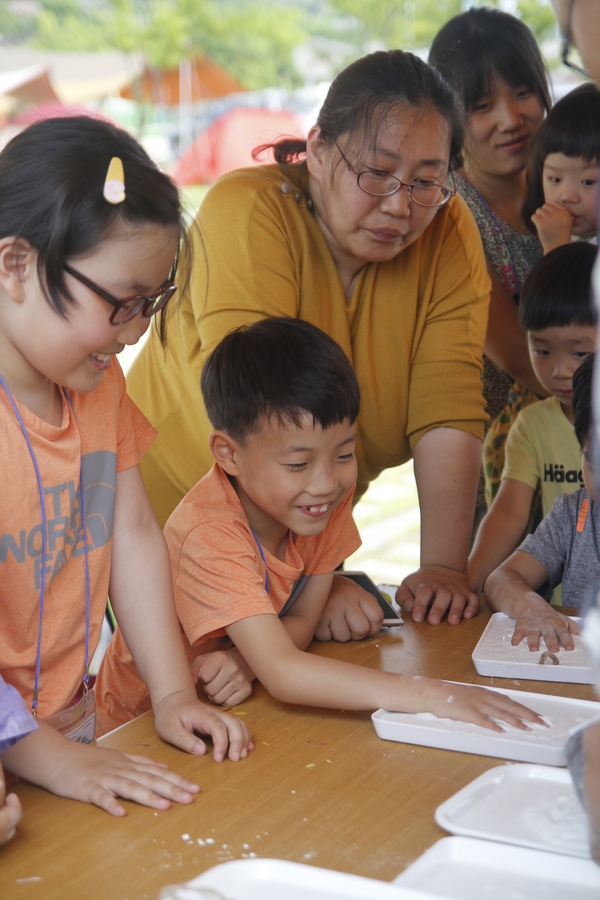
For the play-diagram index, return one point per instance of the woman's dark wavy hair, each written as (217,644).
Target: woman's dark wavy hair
(278,368)
(558,289)
(52,176)
(363,94)
(572,128)
(479,45)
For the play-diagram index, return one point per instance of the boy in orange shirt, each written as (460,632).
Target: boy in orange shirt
(255,543)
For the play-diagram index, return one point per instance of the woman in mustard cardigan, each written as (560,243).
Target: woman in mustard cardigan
(355,231)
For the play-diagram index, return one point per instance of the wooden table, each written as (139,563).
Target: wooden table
(320,788)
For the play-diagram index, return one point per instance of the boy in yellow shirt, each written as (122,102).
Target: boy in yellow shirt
(542,452)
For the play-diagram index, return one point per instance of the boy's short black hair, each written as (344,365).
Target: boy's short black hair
(558,289)
(278,367)
(582,400)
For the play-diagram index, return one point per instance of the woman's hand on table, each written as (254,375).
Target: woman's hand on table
(179,716)
(547,623)
(350,614)
(224,679)
(439,590)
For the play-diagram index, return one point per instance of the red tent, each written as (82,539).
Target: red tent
(228,143)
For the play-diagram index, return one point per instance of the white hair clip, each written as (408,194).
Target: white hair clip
(114,185)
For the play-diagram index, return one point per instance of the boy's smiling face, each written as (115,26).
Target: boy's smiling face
(556,354)
(289,477)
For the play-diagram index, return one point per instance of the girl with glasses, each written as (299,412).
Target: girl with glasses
(357,231)
(82,269)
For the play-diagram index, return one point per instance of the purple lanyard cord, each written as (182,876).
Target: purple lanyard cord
(262,556)
(40,485)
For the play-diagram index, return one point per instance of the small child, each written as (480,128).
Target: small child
(562,197)
(563,549)
(255,543)
(90,232)
(541,450)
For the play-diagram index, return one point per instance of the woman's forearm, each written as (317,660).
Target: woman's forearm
(506,342)
(447,465)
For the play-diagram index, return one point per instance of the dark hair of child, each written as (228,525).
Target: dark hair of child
(558,289)
(52,177)
(572,127)
(366,92)
(480,45)
(582,400)
(281,368)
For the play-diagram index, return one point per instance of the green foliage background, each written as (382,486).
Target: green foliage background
(253,40)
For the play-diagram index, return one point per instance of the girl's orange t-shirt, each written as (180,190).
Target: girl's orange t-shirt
(104,433)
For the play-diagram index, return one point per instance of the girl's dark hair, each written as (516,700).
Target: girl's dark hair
(365,92)
(281,368)
(582,400)
(475,47)
(572,128)
(558,289)
(52,177)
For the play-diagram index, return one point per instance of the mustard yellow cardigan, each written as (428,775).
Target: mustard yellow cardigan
(413,328)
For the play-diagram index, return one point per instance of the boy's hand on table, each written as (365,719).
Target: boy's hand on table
(223,678)
(180,714)
(465,703)
(545,622)
(554,225)
(350,614)
(438,589)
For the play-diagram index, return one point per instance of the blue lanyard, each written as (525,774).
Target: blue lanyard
(262,556)
(38,660)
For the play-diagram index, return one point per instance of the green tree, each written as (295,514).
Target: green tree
(398,23)
(13,27)
(70,25)
(253,42)
(539,15)
(414,23)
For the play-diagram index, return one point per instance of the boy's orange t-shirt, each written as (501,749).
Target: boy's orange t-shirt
(105,435)
(219,578)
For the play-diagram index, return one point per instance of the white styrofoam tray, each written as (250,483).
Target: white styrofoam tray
(494,655)
(531,806)
(468,869)
(537,745)
(274,879)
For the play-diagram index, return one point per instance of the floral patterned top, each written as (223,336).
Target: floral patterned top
(512,256)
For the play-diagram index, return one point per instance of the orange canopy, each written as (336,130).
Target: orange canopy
(207,80)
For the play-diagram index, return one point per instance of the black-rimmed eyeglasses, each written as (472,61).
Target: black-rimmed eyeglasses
(380,184)
(127,308)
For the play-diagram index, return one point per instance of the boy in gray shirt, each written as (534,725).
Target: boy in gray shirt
(565,548)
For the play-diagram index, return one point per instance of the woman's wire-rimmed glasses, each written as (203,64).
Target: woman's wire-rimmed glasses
(127,308)
(567,45)
(380,184)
